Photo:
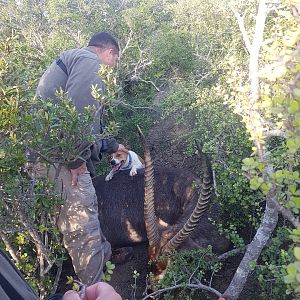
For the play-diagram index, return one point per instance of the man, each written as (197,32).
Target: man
(75,71)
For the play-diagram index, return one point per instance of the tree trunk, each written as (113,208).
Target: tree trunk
(253,251)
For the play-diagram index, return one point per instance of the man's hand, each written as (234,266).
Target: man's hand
(98,291)
(76,172)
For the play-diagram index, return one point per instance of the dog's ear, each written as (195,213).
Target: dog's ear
(122,148)
(125,150)
(128,147)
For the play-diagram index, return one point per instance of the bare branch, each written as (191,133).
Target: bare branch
(132,107)
(9,247)
(276,132)
(232,252)
(286,213)
(35,237)
(255,48)
(192,275)
(215,182)
(241,23)
(127,43)
(198,286)
(146,81)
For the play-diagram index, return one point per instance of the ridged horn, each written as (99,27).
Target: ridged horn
(201,206)
(149,210)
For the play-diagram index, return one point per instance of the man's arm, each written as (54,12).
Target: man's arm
(111,146)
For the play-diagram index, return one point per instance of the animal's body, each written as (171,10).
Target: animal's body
(122,161)
(121,208)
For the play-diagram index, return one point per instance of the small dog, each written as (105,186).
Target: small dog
(125,160)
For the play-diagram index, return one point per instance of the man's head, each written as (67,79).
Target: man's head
(106,48)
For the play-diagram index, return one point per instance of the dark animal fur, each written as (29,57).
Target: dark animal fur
(121,208)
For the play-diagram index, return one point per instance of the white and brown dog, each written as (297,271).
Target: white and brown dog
(125,160)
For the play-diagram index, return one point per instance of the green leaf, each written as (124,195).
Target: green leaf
(265,187)
(70,279)
(292,270)
(297,92)
(255,182)
(296,201)
(248,161)
(260,167)
(297,265)
(293,188)
(293,106)
(252,264)
(296,175)
(297,252)
(291,145)
(288,279)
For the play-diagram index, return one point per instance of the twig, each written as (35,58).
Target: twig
(57,277)
(198,286)
(51,161)
(255,48)
(132,107)
(215,182)
(211,278)
(35,237)
(191,277)
(138,78)
(241,24)
(225,255)
(9,247)
(42,273)
(127,43)
(287,214)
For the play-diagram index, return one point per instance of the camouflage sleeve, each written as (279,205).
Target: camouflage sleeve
(84,154)
(109,146)
(93,152)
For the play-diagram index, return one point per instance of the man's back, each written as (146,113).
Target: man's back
(81,66)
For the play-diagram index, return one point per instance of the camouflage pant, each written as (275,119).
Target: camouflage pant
(79,224)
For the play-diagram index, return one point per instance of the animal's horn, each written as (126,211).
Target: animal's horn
(201,206)
(149,211)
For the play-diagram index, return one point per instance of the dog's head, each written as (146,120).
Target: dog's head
(118,159)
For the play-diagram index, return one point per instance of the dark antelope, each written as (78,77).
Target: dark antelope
(172,215)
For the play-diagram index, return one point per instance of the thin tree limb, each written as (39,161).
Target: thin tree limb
(286,213)
(198,286)
(255,49)
(9,248)
(241,24)
(232,252)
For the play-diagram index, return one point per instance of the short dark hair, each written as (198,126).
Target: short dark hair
(104,40)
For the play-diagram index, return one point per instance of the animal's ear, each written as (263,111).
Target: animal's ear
(122,149)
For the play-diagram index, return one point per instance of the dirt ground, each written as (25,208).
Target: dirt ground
(122,278)
(124,282)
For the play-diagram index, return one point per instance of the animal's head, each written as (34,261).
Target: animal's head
(118,159)
(158,245)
